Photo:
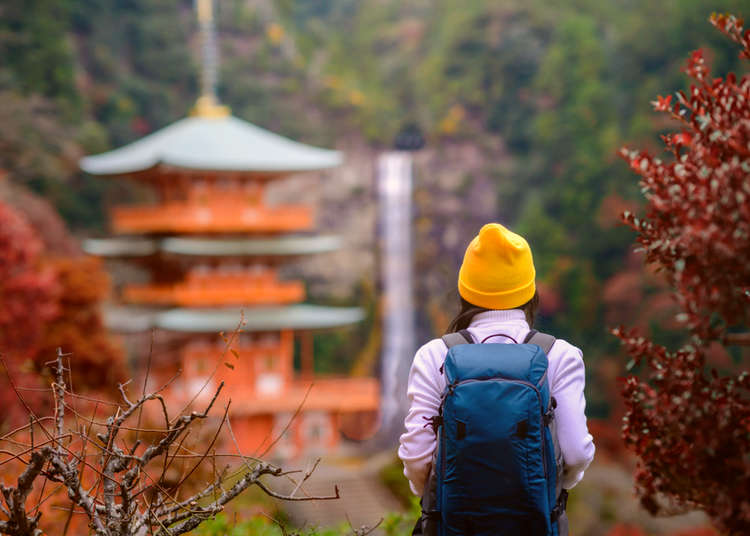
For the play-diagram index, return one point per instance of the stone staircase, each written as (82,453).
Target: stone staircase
(364,500)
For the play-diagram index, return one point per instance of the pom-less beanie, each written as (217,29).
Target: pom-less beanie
(498,269)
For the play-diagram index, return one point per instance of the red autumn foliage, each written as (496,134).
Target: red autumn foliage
(28,299)
(689,425)
(97,362)
(45,304)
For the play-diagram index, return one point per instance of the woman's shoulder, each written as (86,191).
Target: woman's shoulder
(564,357)
(431,351)
(563,347)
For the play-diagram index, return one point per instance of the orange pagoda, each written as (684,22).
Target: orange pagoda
(212,248)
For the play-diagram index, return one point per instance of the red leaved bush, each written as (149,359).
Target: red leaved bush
(690,427)
(45,304)
(28,300)
(97,362)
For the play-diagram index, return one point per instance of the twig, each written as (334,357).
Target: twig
(288,424)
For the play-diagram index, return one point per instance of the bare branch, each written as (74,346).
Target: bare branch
(19,522)
(116,503)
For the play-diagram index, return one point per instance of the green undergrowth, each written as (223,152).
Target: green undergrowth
(393,524)
(392,476)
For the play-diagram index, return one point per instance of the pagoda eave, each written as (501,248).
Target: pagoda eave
(295,317)
(249,319)
(283,246)
(120,247)
(225,144)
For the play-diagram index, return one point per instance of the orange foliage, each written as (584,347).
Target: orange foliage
(46,304)
(78,327)
(28,299)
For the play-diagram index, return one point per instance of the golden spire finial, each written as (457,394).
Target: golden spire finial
(207,104)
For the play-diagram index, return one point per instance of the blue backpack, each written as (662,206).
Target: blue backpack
(497,467)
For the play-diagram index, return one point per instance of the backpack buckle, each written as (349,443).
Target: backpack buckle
(549,415)
(434,422)
(559,509)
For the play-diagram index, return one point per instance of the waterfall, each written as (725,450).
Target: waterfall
(394,176)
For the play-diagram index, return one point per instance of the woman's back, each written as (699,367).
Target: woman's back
(426,385)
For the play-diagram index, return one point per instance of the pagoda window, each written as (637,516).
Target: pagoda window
(199,272)
(316,429)
(225,184)
(269,339)
(283,429)
(245,340)
(199,192)
(253,192)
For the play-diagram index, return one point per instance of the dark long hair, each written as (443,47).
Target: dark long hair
(468,310)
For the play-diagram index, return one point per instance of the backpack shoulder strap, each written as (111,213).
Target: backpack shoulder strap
(543,340)
(454,339)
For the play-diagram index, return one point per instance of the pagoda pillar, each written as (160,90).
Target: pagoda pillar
(306,355)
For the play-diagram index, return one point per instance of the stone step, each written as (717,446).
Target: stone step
(364,500)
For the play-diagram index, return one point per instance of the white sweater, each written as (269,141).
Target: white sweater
(426,384)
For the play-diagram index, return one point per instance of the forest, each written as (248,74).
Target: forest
(524,107)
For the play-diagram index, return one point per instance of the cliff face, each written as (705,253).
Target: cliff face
(453,196)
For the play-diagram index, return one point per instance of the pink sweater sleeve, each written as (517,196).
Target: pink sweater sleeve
(426,384)
(567,382)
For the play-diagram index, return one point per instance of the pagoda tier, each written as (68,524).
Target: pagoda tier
(204,272)
(214,218)
(226,285)
(266,393)
(262,372)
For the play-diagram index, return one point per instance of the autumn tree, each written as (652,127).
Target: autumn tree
(28,299)
(78,326)
(687,422)
(48,303)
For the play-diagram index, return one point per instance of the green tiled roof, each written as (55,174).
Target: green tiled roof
(286,245)
(120,247)
(214,247)
(210,143)
(129,320)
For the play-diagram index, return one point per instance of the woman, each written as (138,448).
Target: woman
(498,295)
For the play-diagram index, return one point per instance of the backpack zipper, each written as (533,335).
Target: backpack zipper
(451,387)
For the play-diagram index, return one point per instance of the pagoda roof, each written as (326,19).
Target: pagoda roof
(287,245)
(296,317)
(120,247)
(219,247)
(212,143)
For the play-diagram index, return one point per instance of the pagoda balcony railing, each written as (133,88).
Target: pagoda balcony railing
(341,395)
(192,295)
(215,217)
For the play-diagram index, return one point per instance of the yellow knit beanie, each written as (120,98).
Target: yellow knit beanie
(498,270)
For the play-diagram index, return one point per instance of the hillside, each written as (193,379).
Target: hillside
(523,106)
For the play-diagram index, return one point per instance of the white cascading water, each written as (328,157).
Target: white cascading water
(394,176)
